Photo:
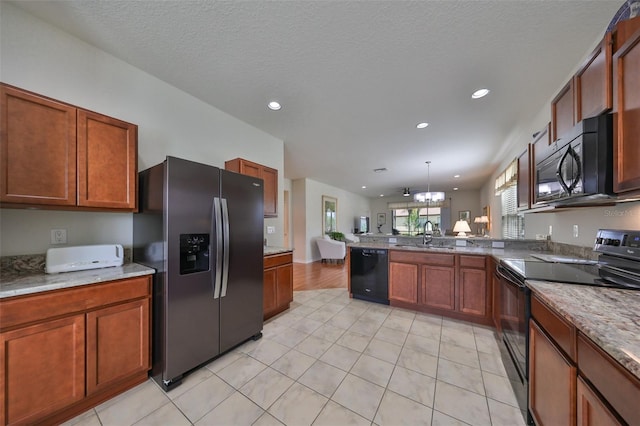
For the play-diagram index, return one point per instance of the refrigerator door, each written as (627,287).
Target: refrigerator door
(191,312)
(241,293)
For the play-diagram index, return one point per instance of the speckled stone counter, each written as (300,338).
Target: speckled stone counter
(270,250)
(609,317)
(16,284)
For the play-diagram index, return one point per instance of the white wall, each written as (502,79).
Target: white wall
(307,215)
(588,219)
(43,59)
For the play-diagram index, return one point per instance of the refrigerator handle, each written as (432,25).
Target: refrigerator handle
(217,224)
(225,236)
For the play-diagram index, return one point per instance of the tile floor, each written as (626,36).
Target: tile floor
(332,360)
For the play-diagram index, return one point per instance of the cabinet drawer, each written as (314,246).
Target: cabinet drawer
(614,382)
(277,260)
(472,261)
(425,258)
(563,333)
(26,309)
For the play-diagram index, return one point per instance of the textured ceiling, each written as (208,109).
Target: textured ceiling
(355,77)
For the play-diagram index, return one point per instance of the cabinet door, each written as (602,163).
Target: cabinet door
(626,152)
(473,292)
(592,411)
(403,282)
(524,179)
(117,343)
(42,369)
(270,293)
(107,169)
(541,141)
(552,382)
(438,287)
(37,149)
(285,285)
(593,82)
(270,178)
(562,112)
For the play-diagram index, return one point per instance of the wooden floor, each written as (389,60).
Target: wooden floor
(316,275)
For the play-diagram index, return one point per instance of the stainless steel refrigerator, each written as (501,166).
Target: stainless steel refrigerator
(202,229)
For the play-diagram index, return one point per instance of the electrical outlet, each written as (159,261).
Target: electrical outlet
(550,230)
(58,236)
(575,231)
(271,229)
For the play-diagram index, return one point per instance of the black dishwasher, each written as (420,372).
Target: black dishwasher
(370,274)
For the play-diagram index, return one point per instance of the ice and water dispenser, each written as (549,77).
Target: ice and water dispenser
(194,253)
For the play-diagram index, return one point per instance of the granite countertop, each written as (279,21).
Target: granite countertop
(269,250)
(609,317)
(18,284)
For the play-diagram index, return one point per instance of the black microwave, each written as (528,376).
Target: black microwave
(579,166)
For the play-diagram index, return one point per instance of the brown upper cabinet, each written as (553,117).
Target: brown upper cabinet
(593,82)
(525,183)
(626,150)
(541,140)
(267,174)
(562,112)
(56,155)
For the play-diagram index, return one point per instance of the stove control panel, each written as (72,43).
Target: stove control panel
(618,242)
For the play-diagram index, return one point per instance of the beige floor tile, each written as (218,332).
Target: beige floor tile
(357,342)
(241,371)
(323,378)
(266,387)
(340,357)
(440,419)
(398,323)
(426,329)
(487,344)
(418,361)
(236,410)
(290,337)
(343,320)
(460,375)
(313,346)
(459,337)
(459,354)
(321,314)
(375,317)
(329,332)
(364,327)
(220,363)
(383,350)
(267,351)
(461,404)
(298,406)
(397,410)
(392,336)
(306,325)
(204,397)
(413,385)
(359,395)
(293,364)
(373,369)
(422,344)
(189,381)
(403,313)
(499,388)
(132,405)
(428,318)
(267,419)
(458,324)
(168,414)
(334,414)
(88,418)
(505,414)
(492,363)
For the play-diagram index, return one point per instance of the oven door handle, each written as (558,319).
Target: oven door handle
(504,274)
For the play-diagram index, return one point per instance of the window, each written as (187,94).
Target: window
(512,222)
(410,221)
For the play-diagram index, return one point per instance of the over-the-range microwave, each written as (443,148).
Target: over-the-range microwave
(578,168)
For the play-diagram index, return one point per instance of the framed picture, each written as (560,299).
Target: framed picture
(382,218)
(486,211)
(329,214)
(464,215)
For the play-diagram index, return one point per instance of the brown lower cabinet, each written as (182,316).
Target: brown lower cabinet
(278,283)
(572,380)
(65,351)
(453,285)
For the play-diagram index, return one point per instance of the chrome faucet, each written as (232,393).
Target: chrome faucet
(427,238)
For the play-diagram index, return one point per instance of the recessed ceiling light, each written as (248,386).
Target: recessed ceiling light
(382,195)
(480,93)
(364,187)
(421,125)
(456,176)
(274,106)
(455,189)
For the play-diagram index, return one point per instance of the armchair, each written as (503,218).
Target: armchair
(331,249)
